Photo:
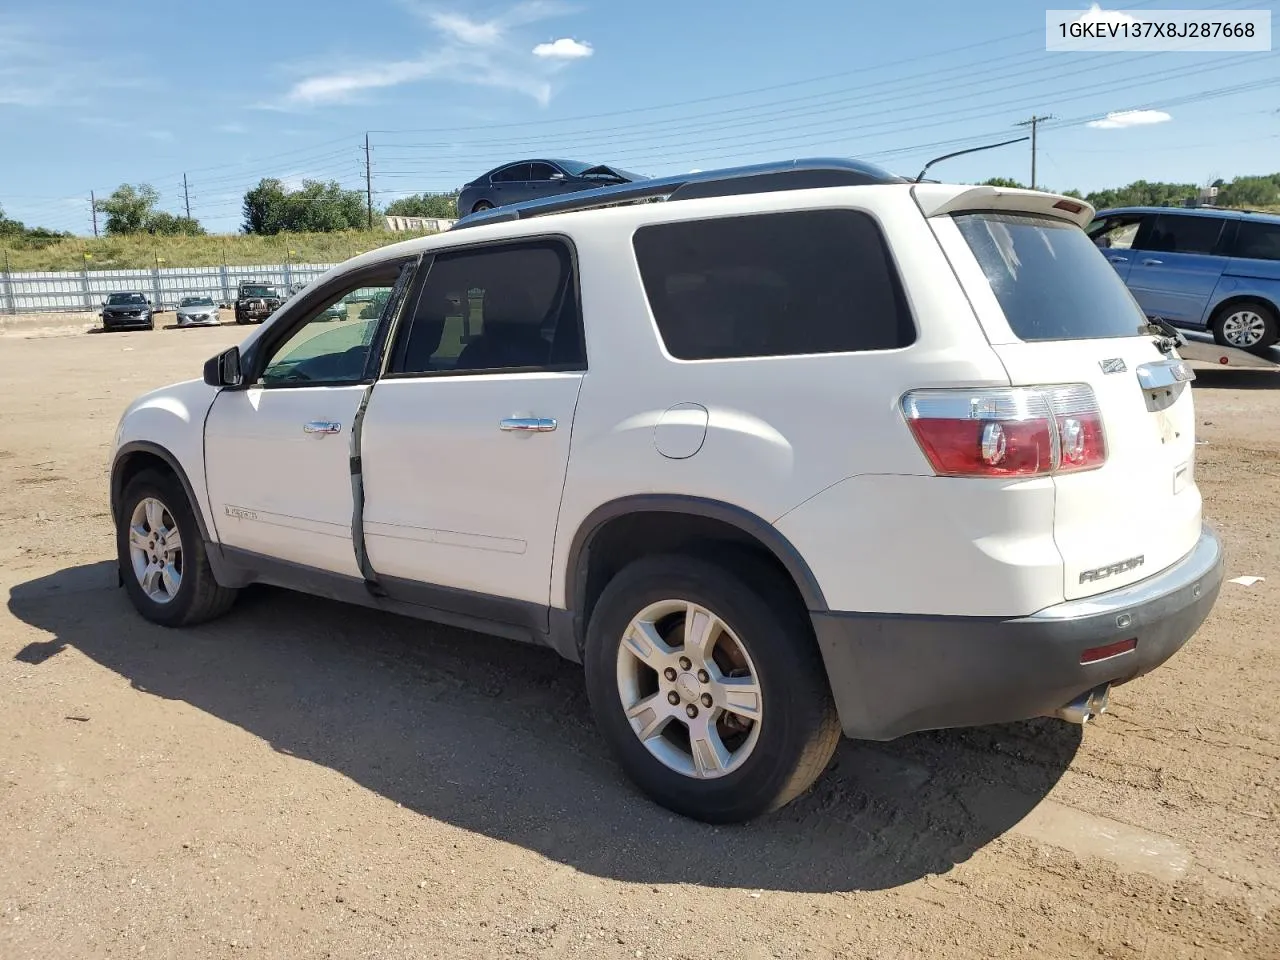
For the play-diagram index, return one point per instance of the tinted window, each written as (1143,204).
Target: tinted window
(496,308)
(118,299)
(541,171)
(1172,233)
(515,172)
(1051,281)
(1258,241)
(774,284)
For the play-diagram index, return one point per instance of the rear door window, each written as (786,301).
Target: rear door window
(1050,280)
(1184,233)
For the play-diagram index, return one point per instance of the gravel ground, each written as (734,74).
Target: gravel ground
(306,780)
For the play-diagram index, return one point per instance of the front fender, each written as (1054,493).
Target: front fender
(169,424)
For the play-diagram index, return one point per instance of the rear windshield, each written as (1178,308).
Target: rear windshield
(1050,279)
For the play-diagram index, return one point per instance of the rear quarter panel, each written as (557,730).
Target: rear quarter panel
(1244,278)
(781,430)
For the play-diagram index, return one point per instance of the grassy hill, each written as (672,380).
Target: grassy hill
(140,252)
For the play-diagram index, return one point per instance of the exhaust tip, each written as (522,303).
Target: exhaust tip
(1086,706)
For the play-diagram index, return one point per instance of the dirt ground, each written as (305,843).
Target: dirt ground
(306,780)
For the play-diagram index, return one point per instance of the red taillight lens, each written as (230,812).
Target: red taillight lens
(1007,431)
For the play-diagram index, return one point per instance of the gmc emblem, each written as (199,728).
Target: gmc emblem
(1101,573)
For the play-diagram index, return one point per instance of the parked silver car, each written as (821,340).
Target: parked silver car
(198,312)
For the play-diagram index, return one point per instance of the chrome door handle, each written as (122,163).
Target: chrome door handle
(322,427)
(1152,263)
(1118,259)
(528,424)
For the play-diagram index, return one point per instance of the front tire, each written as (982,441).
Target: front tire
(709,688)
(162,557)
(1245,326)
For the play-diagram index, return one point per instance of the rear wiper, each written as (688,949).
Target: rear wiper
(1167,337)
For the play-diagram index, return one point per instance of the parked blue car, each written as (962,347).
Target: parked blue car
(536,180)
(1201,268)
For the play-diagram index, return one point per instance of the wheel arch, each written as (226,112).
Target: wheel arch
(622,530)
(138,455)
(1237,298)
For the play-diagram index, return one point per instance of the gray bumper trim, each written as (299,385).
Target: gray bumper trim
(893,675)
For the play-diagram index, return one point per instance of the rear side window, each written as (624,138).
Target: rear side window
(1182,233)
(1258,241)
(777,284)
(1051,281)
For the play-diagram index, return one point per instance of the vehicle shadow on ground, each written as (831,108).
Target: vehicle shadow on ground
(1220,378)
(497,738)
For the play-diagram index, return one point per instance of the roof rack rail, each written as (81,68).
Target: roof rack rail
(732,181)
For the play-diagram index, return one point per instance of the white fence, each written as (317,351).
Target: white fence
(85,290)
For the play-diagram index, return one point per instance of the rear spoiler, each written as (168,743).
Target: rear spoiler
(937,200)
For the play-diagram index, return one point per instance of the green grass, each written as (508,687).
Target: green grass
(140,252)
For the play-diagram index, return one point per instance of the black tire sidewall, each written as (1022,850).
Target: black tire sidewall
(169,492)
(794,695)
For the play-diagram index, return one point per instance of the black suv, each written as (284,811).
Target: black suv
(255,301)
(129,310)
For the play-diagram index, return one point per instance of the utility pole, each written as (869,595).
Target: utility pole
(186,196)
(93,205)
(368,181)
(1032,123)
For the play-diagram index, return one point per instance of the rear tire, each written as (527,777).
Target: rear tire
(481,205)
(709,763)
(1248,326)
(168,578)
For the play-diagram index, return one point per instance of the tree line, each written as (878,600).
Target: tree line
(325,206)
(1250,191)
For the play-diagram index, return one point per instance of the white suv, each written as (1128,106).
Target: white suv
(804,448)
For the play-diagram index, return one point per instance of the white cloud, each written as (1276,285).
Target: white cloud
(160,134)
(232,128)
(1095,14)
(566,48)
(486,53)
(1130,118)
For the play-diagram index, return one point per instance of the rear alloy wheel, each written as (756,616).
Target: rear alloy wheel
(709,688)
(1246,326)
(481,206)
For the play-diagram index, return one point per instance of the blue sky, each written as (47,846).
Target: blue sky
(93,95)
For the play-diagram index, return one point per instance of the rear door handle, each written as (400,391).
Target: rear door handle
(1152,263)
(528,424)
(1118,259)
(322,427)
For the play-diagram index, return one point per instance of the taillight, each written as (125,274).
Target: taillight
(1008,431)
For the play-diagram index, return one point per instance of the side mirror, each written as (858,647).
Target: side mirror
(224,369)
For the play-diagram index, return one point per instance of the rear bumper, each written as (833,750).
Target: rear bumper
(894,675)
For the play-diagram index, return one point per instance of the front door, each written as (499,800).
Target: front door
(465,442)
(277,453)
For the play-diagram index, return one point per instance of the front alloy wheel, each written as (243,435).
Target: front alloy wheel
(155,549)
(164,564)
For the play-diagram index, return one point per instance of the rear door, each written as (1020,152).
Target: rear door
(1176,265)
(1057,314)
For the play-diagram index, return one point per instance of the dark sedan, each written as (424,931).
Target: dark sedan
(535,180)
(124,310)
